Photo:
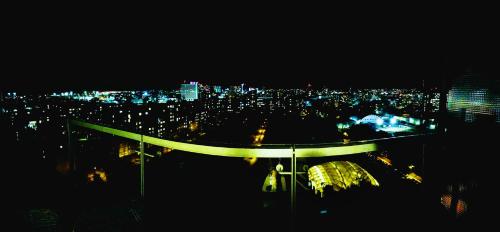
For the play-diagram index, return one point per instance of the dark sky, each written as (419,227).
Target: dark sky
(116,55)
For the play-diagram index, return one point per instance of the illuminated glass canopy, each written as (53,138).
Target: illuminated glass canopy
(340,175)
(372,119)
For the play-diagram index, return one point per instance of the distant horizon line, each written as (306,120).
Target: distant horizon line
(33,88)
(119,89)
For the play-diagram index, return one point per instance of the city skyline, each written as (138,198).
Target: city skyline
(356,65)
(323,146)
(434,78)
(326,122)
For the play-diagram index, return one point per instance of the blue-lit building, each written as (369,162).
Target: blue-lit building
(189,92)
(217,89)
(387,123)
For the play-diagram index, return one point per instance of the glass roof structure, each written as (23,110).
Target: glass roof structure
(341,175)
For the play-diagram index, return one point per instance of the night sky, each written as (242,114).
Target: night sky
(107,56)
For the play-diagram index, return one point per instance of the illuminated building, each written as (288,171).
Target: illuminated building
(385,160)
(271,182)
(341,175)
(389,123)
(414,177)
(32,125)
(125,150)
(217,89)
(242,89)
(97,174)
(189,92)
(472,96)
(373,119)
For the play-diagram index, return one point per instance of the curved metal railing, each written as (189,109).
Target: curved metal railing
(262,151)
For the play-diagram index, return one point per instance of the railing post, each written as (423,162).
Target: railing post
(142,165)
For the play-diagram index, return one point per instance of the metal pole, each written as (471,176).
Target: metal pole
(142,165)
(442,105)
(293,184)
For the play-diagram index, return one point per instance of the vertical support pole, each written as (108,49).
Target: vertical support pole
(443,101)
(293,186)
(142,165)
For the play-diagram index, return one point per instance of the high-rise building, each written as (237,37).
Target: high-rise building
(472,96)
(217,89)
(189,92)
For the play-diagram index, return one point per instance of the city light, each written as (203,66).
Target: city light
(117,137)
(97,174)
(32,125)
(414,177)
(385,160)
(396,128)
(193,126)
(125,150)
(271,182)
(251,160)
(446,200)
